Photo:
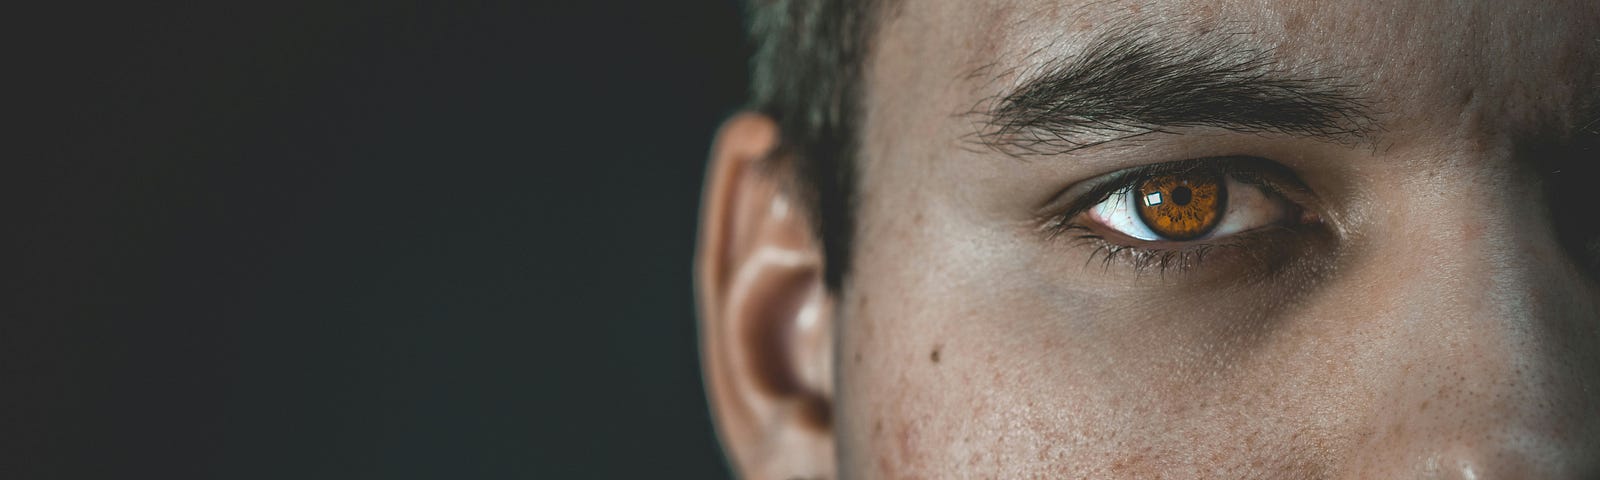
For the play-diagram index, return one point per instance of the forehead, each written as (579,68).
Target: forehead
(1512,64)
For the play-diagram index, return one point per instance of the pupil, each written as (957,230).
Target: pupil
(1182,195)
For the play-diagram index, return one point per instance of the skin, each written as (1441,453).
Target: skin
(1439,330)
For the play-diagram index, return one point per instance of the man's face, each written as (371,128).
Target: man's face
(1394,299)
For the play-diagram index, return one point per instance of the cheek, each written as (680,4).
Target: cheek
(958,358)
(954,365)
(948,392)
(925,388)
(923,397)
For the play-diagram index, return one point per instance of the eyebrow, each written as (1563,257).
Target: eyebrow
(1133,81)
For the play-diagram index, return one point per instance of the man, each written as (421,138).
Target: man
(1159,239)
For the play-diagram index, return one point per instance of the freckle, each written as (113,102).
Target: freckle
(934,356)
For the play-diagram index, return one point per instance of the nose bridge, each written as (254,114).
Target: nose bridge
(1478,263)
(1477,231)
(1496,275)
(1497,374)
(1499,257)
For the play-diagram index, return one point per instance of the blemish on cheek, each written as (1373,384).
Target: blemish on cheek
(934,355)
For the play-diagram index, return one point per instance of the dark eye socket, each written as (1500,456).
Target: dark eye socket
(1574,207)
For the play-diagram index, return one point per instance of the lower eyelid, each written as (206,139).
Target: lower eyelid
(1257,249)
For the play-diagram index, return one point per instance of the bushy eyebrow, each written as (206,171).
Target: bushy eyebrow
(1130,82)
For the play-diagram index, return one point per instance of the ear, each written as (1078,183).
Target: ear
(766,318)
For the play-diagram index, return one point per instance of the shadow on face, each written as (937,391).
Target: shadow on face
(1129,240)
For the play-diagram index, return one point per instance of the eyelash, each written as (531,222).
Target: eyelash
(1269,176)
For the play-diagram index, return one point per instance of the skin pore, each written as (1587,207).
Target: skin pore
(1421,318)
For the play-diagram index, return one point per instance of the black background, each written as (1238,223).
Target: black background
(378,239)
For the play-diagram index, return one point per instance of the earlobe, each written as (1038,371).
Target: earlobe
(765,316)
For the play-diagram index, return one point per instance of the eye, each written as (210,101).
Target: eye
(1241,215)
(1199,203)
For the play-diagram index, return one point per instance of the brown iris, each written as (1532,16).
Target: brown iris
(1182,206)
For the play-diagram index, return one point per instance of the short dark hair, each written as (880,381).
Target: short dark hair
(806,74)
